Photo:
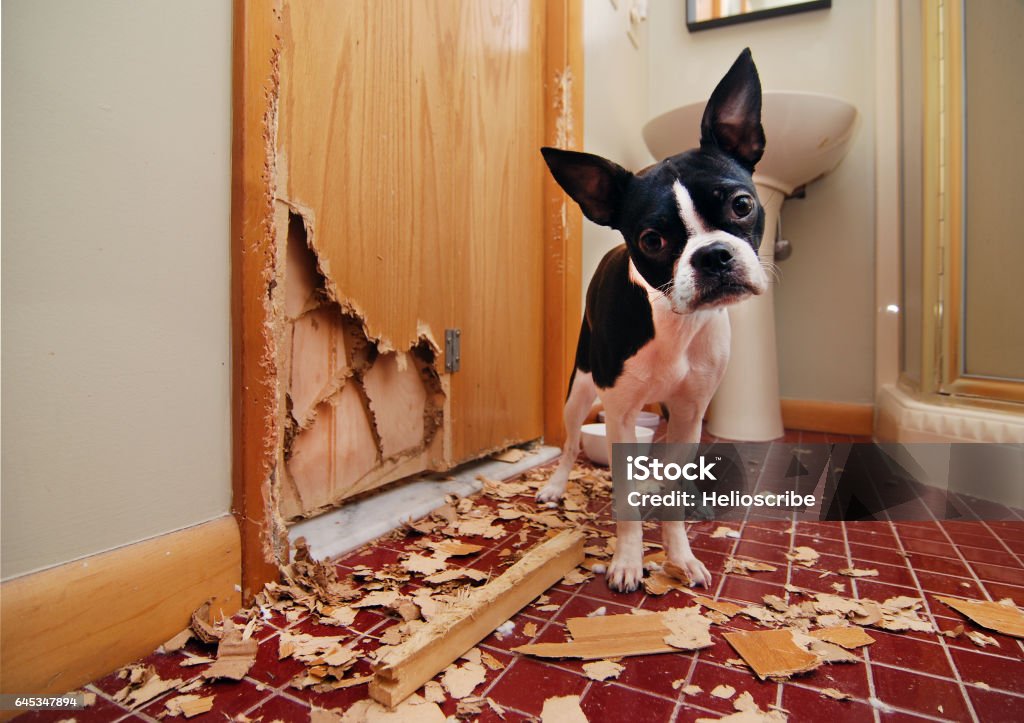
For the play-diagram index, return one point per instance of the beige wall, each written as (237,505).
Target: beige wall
(615,106)
(825,302)
(115,297)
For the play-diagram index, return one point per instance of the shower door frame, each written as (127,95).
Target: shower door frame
(943,196)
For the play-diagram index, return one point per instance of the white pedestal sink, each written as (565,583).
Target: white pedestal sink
(807,135)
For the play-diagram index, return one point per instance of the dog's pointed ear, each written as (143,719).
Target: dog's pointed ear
(732,118)
(595,183)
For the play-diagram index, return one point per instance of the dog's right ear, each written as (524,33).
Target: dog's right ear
(595,183)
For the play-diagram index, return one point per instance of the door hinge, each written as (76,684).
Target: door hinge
(452,349)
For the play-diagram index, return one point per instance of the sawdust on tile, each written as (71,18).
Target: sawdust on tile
(461,680)
(414,709)
(803,555)
(724,607)
(747,711)
(688,629)
(189,705)
(510,456)
(859,572)
(563,709)
(144,684)
(235,657)
(603,670)
(849,637)
(737,566)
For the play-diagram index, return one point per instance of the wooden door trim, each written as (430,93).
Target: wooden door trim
(563,220)
(254,371)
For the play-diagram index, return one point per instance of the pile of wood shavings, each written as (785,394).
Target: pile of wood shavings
(434,552)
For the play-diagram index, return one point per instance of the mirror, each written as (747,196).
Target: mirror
(707,14)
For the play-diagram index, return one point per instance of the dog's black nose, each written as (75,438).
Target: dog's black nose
(714,258)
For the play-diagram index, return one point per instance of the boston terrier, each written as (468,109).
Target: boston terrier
(655,327)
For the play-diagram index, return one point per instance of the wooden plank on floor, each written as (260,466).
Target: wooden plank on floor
(408,666)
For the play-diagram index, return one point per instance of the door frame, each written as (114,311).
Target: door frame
(255,402)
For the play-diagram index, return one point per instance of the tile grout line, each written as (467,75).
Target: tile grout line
(1020,643)
(1001,541)
(982,586)
(126,713)
(942,642)
(789,563)
(793,522)
(913,575)
(718,593)
(888,706)
(946,679)
(873,695)
(966,564)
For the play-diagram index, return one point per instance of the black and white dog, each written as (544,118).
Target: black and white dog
(656,327)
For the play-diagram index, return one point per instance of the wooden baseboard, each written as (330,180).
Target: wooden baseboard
(66,626)
(835,417)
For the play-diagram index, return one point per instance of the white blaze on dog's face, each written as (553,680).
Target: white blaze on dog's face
(716,267)
(692,223)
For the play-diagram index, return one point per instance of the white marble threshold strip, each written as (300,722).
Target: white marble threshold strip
(342,530)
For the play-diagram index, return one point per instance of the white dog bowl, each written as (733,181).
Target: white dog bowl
(643,419)
(595,441)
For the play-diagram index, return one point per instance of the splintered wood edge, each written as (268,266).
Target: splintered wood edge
(990,615)
(406,667)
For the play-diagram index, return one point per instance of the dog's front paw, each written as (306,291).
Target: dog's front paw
(625,576)
(551,492)
(695,570)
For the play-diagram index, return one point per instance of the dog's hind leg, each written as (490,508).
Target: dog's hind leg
(582,394)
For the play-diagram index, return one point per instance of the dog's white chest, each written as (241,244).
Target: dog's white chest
(685,348)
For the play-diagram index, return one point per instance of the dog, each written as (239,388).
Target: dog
(656,327)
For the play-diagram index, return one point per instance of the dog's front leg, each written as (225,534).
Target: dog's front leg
(686,412)
(677,549)
(627,568)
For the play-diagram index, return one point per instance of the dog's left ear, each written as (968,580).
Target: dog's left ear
(732,118)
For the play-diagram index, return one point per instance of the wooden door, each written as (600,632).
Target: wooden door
(389,187)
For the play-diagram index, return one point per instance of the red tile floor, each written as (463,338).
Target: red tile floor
(904,677)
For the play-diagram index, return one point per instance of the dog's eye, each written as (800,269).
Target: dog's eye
(742,205)
(651,242)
